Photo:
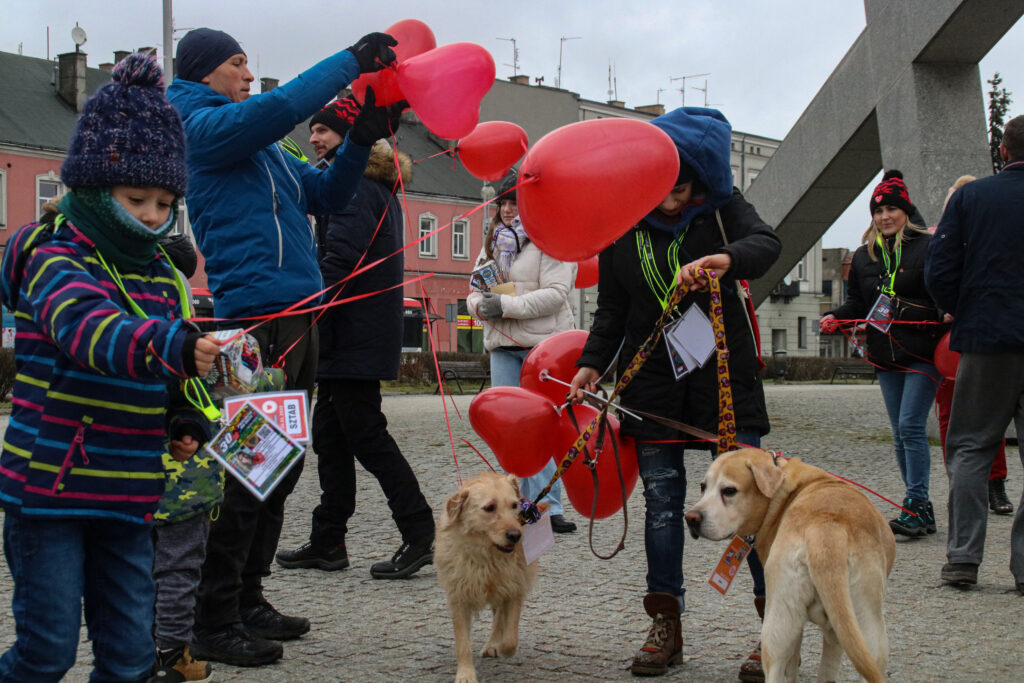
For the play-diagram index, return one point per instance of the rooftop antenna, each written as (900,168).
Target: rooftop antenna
(515,56)
(561,44)
(657,98)
(77,35)
(704,90)
(21,49)
(682,89)
(610,91)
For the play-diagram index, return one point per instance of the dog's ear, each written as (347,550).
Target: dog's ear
(766,475)
(454,505)
(514,481)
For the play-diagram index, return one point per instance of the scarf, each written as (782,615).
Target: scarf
(676,224)
(122,239)
(506,243)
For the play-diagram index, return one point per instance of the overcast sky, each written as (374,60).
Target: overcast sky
(766,58)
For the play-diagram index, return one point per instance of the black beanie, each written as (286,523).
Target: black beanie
(892,192)
(338,115)
(202,50)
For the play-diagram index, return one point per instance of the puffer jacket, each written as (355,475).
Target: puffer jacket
(903,344)
(540,306)
(248,199)
(363,339)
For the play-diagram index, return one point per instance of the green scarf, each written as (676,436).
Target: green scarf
(122,239)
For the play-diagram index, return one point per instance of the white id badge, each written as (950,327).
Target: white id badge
(880,316)
(538,538)
(682,361)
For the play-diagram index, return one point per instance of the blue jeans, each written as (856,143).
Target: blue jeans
(908,397)
(57,564)
(506,365)
(664,475)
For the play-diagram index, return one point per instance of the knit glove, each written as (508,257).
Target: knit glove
(373,122)
(373,52)
(489,307)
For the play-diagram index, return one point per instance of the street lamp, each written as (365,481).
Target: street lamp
(486,194)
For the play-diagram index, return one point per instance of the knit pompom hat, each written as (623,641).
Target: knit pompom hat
(338,115)
(128,134)
(892,192)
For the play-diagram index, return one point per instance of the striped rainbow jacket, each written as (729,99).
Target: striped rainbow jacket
(87,427)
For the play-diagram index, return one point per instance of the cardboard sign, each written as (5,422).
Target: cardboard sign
(729,564)
(286,409)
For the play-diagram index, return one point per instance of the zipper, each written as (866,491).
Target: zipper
(277,222)
(298,192)
(78,442)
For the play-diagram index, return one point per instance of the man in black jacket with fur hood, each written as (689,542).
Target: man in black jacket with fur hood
(360,345)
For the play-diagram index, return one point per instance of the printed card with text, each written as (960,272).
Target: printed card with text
(286,409)
(729,564)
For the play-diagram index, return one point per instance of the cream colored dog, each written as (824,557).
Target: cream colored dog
(480,562)
(827,553)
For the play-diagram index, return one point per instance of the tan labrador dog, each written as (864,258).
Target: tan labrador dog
(827,553)
(480,562)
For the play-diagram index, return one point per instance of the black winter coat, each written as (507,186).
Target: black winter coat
(904,344)
(363,339)
(627,308)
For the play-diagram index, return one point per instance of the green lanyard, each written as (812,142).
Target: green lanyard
(649,267)
(194,390)
(890,269)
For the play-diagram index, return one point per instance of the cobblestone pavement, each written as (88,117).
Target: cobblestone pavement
(585,619)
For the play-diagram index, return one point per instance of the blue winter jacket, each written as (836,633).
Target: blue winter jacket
(249,200)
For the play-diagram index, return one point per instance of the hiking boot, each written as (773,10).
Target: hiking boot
(309,556)
(406,562)
(664,645)
(560,525)
(263,621)
(751,670)
(177,666)
(997,500)
(960,573)
(929,518)
(912,521)
(232,644)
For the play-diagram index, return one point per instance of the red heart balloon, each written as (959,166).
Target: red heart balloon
(490,151)
(592,181)
(445,85)
(519,426)
(557,355)
(578,481)
(946,360)
(414,38)
(586,274)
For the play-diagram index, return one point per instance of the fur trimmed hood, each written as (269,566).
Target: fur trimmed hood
(381,166)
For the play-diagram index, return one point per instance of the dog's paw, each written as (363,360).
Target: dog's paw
(490,650)
(465,676)
(508,649)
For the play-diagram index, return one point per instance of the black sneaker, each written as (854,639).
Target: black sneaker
(960,573)
(406,562)
(232,644)
(560,525)
(911,521)
(997,500)
(263,621)
(178,666)
(309,556)
(929,518)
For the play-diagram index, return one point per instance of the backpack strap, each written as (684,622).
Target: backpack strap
(19,249)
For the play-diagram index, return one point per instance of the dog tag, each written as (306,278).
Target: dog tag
(729,564)
(538,538)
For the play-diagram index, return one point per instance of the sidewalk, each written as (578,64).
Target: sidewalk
(584,619)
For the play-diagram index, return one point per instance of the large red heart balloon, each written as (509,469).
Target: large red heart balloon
(578,481)
(557,356)
(946,360)
(444,86)
(587,273)
(519,426)
(490,151)
(414,38)
(593,181)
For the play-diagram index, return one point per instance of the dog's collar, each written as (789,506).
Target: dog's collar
(775,458)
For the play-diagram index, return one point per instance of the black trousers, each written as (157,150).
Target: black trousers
(245,532)
(348,425)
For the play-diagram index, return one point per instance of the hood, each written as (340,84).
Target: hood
(381,166)
(703,138)
(188,96)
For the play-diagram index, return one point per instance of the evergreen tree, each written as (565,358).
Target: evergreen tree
(998,104)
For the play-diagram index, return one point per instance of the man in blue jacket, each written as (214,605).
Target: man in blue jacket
(972,272)
(248,202)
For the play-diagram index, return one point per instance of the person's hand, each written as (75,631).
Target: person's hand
(489,307)
(720,263)
(207,349)
(586,378)
(828,323)
(373,122)
(947,317)
(184,448)
(373,52)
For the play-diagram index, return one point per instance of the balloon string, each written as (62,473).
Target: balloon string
(450,150)
(477,451)
(850,333)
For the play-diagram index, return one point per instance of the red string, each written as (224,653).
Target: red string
(478,453)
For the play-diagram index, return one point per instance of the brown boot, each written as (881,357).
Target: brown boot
(750,670)
(664,645)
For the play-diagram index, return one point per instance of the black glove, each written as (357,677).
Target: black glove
(373,122)
(489,307)
(373,52)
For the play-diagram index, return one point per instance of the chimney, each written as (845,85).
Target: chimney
(107,66)
(71,78)
(268,84)
(617,103)
(147,51)
(656,109)
(520,79)
(120,54)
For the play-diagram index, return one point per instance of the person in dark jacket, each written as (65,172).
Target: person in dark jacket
(360,345)
(973,266)
(249,201)
(887,286)
(637,273)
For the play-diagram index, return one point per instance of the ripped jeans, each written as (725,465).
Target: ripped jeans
(664,475)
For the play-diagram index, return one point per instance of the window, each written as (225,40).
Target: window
(428,247)
(801,270)
(460,239)
(801,333)
(47,187)
(826,288)
(751,177)
(3,200)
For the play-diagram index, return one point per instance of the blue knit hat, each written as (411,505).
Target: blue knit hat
(128,134)
(202,50)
